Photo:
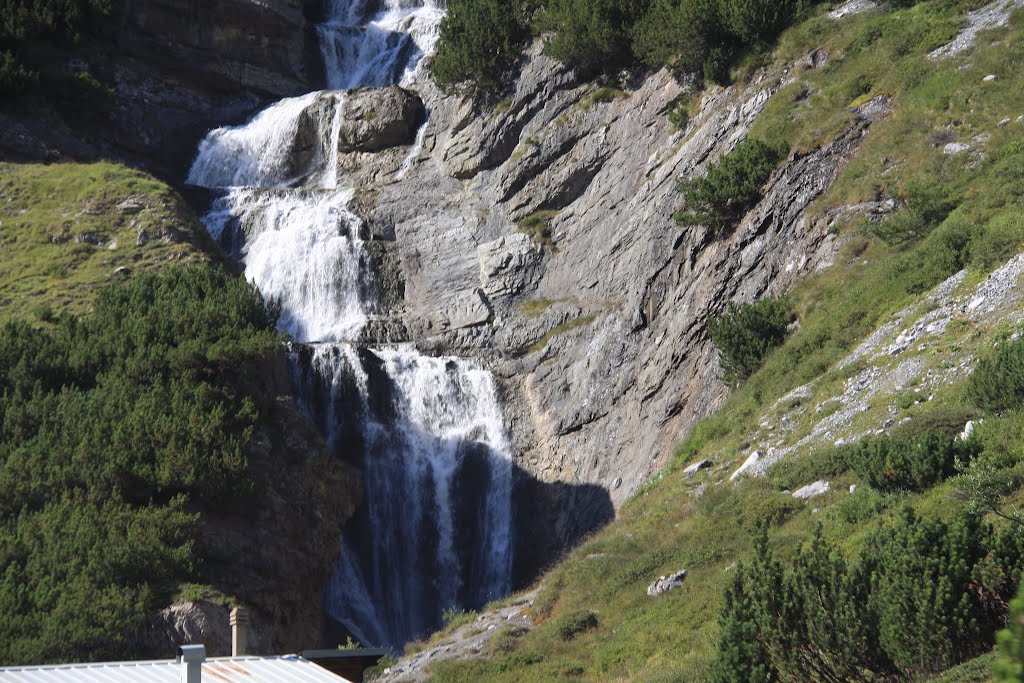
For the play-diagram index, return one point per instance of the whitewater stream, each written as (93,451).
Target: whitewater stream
(434,532)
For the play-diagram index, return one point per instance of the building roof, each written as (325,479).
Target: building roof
(289,669)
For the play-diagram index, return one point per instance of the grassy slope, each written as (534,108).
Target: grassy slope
(44,207)
(665,527)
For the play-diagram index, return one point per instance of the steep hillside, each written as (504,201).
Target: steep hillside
(892,228)
(154,467)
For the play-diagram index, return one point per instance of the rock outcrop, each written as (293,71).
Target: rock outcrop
(276,555)
(173,70)
(596,329)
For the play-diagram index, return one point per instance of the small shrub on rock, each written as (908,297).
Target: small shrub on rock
(731,187)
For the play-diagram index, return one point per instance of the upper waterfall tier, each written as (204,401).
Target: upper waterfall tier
(367,43)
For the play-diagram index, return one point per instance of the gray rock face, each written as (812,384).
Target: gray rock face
(263,45)
(598,334)
(176,69)
(664,584)
(374,119)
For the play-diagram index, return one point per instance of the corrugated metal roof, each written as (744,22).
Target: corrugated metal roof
(290,669)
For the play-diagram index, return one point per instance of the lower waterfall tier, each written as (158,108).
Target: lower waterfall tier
(435,531)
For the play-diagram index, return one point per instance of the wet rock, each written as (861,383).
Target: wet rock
(664,584)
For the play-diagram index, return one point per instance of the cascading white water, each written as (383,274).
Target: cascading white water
(362,47)
(435,531)
(302,249)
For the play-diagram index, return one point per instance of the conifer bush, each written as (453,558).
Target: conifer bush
(731,187)
(997,383)
(28,24)
(745,333)
(924,595)
(480,44)
(890,463)
(114,428)
(591,35)
(1009,667)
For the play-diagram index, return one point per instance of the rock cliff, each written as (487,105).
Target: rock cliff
(172,69)
(595,323)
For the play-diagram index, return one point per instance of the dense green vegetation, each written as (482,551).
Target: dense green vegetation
(1009,668)
(483,42)
(481,39)
(114,428)
(958,212)
(745,333)
(925,595)
(892,463)
(998,382)
(30,29)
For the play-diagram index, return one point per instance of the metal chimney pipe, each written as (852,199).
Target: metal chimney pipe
(239,631)
(191,658)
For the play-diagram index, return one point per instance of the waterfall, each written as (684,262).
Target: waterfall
(362,48)
(435,530)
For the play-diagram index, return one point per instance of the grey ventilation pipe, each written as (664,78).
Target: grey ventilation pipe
(239,631)
(191,658)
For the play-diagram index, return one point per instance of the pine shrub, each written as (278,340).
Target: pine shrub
(997,383)
(1009,667)
(745,333)
(924,595)
(731,187)
(114,429)
(909,464)
(480,44)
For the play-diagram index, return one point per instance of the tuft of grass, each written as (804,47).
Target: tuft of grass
(538,226)
(602,95)
(534,308)
(568,326)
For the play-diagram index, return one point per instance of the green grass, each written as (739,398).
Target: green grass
(538,226)
(534,308)
(602,95)
(43,208)
(667,526)
(567,326)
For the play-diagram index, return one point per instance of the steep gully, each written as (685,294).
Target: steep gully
(435,531)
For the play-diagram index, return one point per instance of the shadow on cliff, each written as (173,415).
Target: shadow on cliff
(427,489)
(547,519)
